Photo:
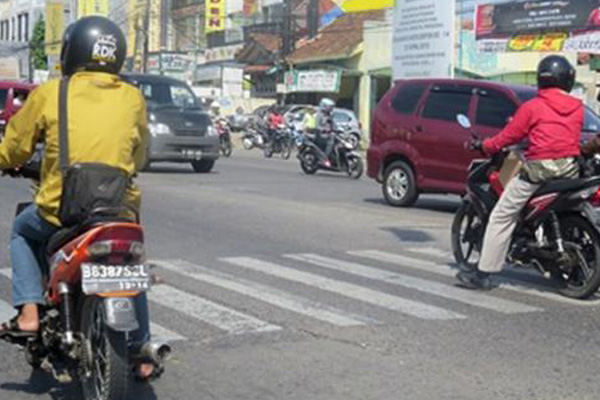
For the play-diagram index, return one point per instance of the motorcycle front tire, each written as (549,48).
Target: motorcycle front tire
(355,166)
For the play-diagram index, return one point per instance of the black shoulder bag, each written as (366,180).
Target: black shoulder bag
(88,188)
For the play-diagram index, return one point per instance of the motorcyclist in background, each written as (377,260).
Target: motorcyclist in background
(107,124)
(325,130)
(552,122)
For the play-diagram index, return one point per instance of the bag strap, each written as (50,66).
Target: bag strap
(63,124)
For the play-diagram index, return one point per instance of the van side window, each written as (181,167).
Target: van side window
(494,109)
(446,102)
(405,101)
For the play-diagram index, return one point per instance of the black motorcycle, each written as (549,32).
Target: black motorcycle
(280,142)
(556,234)
(224,132)
(343,158)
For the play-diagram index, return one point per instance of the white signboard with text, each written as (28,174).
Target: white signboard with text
(423,44)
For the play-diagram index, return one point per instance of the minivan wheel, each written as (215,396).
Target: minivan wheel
(399,185)
(203,166)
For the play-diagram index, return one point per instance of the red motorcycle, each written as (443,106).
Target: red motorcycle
(557,234)
(96,270)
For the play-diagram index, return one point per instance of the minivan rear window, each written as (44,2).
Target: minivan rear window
(446,102)
(406,100)
(494,109)
(3,96)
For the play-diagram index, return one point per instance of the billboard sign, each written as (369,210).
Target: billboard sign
(323,81)
(54,27)
(542,25)
(423,41)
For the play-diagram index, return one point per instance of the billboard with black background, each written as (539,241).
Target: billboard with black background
(543,25)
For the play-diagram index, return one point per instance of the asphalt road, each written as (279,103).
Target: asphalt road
(282,286)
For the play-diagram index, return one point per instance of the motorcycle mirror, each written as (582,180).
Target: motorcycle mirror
(463,121)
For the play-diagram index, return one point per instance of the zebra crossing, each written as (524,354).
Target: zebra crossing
(308,272)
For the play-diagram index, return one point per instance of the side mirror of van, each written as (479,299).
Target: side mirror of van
(464,121)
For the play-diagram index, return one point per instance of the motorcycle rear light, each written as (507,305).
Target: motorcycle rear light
(100,249)
(585,193)
(595,200)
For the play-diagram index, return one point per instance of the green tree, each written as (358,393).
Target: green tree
(37,46)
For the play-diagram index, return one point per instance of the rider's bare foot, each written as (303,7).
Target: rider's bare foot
(27,321)
(145,371)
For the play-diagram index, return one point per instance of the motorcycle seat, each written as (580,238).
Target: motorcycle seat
(567,185)
(65,235)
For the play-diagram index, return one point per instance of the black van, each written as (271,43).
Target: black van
(181,131)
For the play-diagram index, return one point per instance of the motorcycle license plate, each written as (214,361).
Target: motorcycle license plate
(96,278)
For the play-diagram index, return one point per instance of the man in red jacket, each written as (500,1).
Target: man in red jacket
(594,18)
(552,123)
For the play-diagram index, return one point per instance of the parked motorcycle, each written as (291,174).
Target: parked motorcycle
(224,132)
(343,159)
(252,138)
(557,233)
(281,143)
(97,269)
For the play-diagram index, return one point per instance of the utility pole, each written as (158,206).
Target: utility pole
(287,40)
(146,27)
(313,18)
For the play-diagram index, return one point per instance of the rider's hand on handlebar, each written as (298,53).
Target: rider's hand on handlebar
(476,144)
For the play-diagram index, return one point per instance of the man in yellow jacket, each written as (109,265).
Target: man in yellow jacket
(107,124)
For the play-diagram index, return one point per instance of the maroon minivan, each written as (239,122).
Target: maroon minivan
(417,146)
(12,97)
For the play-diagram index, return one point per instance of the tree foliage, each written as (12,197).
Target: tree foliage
(38,49)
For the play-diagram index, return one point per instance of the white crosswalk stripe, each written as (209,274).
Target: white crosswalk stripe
(431,251)
(423,285)
(6,311)
(384,300)
(162,334)
(505,283)
(267,294)
(226,319)
(158,332)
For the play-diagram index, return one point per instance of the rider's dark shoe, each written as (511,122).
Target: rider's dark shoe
(475,280)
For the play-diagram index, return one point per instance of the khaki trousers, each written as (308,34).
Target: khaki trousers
(503,222)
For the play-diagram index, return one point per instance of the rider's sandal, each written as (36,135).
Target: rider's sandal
(10,330)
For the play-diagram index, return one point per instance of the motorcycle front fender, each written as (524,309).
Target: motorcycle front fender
(120,314)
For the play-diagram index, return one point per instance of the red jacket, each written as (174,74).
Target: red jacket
(552,122)
(594,19)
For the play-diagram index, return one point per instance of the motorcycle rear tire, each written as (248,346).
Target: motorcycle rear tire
(226,149)
(116,358)
(569,225)
(464,261)
(309,162)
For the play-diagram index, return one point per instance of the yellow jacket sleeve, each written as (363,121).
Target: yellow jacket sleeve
(140,153)
(23,132)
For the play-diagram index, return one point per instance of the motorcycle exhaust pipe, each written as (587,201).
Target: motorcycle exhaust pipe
(158,352)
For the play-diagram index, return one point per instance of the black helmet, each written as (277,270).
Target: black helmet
(93,44)
(556,72)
